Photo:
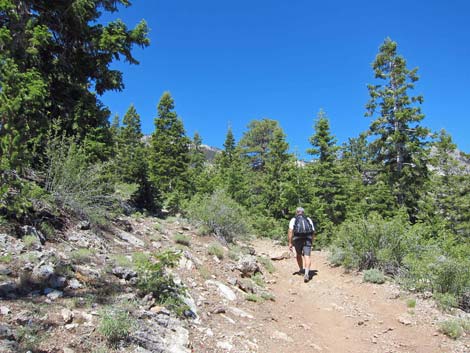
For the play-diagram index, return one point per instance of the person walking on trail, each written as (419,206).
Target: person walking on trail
(301,230)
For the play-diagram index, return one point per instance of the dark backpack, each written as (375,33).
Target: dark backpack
(302,226)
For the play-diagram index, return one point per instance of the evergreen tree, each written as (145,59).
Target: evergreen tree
(227,155)
(169,154)
(54,61)
(278,164)
(400,140)
(447,197)
(231,170)
(365,191)
(327,180)
(256,141)
(256,148)
(131,163)
(197,176)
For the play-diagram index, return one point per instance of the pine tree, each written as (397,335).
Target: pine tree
(400,140)
(232,171)
(169,154)
(131,162)
(278,164)
(197,176)
(55,60)
(366,192)
(327,180)
(227,155)
(256,148)
(447,197)
(256,140)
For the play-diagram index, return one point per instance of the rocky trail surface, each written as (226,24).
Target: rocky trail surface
(338,312)
(243,299)
(334,312)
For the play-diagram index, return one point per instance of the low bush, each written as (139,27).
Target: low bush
(270,227)
(30,241)
(182,239)
(6,259)
(373,242)
(267,296)
(30,337)
(336,256)
(220,214)
(374,276)
(446,301)
(82,255)
(115,325)
(439,266)
(411,303)
(217,250)
(154,277)
(75,184)
(267,263)
(254,298)
(451,328)
(258,279)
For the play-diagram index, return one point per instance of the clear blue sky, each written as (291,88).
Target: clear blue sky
(230,62)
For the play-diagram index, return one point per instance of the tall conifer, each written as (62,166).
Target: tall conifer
(399,137)
(169,154)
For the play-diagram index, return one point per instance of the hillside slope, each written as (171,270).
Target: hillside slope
(58,296)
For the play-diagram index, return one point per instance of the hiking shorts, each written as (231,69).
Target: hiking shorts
(303,244)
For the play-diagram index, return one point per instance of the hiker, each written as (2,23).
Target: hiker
(301,231)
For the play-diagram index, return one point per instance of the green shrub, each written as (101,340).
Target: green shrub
(267,263)
(216,249)
(153,277)
(203,230)
(30,241)
(182,239)
(222,215)
(30,337)
(121,260)
(75,184)
(159,227)
(374,276)
(115,325)
(465,323)
(373,242)
(15,194)
(233,255)
(82,255)
(336,256)
(411,303)
(446,301)
(270,227)
(258,279)
(451,328)
(204,272)
(47,229)
(254,298)
(6,259)
(438,266)
(267,296)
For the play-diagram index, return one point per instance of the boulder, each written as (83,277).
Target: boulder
(248,266)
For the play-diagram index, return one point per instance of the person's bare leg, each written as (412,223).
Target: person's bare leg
(307,263)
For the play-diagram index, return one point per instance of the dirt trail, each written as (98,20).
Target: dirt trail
(338,313)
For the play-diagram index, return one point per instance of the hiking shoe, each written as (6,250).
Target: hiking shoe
(306,277)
